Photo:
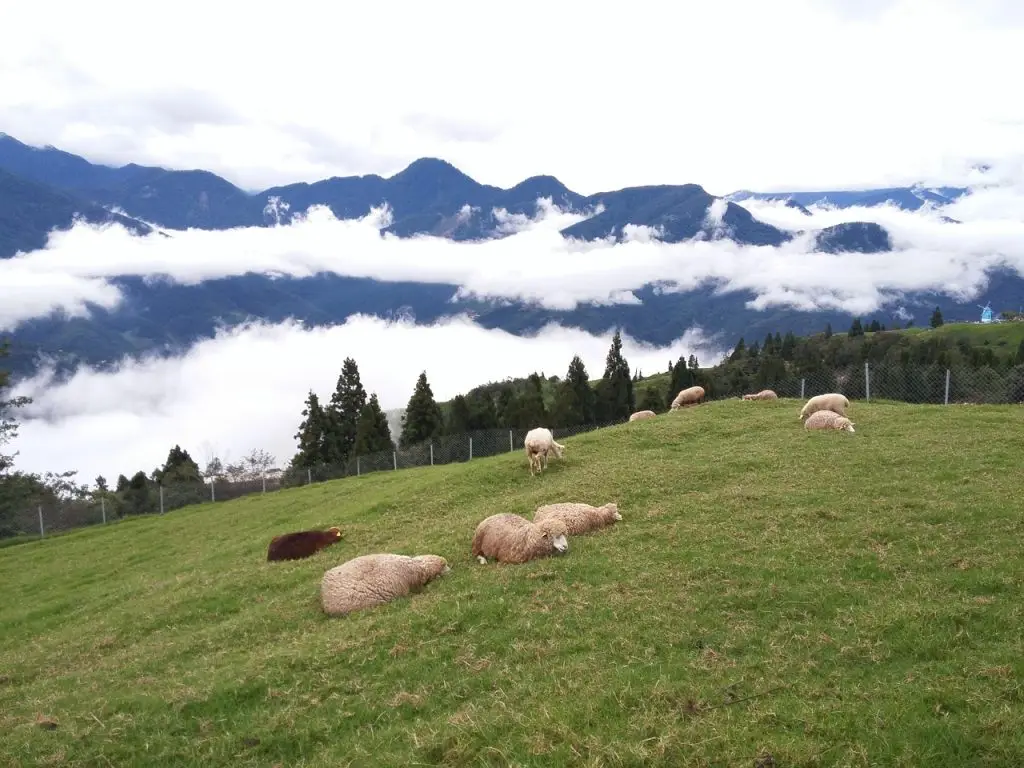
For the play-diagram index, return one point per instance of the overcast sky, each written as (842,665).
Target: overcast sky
(739,94)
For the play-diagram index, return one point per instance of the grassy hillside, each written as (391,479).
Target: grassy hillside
(1005,337)
(830,599)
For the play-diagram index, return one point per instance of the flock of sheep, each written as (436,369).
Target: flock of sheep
(371,580)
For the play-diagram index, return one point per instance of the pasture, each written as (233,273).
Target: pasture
(772,597)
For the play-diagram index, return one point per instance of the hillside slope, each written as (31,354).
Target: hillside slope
(742,606)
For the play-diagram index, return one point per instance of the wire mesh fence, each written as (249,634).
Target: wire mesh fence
(923,384)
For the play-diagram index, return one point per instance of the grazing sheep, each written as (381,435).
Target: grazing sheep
(688,396)
(370,580)
(828,420)
(539,444)
(510,538)
(833,401)
(579,518)
(764,394)
(642,415)
(295,546)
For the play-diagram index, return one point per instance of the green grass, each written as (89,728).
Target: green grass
(1005,337)
(830,599)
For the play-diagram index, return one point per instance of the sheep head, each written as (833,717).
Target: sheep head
(614,508)
(433,565)
(335,530)
(554,531)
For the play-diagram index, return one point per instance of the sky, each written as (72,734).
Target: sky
(793,94)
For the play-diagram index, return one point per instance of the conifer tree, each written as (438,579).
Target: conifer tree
(574,399)
(459,417)
(179,468)
(738,352)
(682,378)
(532,410)
(828,330)
(482,412)
(937,320)
(372,432)
(651,401)
(617,401)
(422,419)
(346,406)
(311,434)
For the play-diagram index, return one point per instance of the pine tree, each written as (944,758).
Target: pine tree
(179,468)
(856,329)
(789,345)
(532,410)
(482,413)
(828,330)
(617,401)
(574,399)
(936,320)
(372,432)
(506,408)
(346,406)
(422,419)
(874,327)
(738,352)
(459,417)
(651,401)
(311,434)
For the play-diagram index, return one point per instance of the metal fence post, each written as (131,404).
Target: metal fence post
(947,388)
(867,381)
(802,381)
(264,479)
(358,469)
(309,475)
(511,448)
(394,459)
(213,493)
(41,533)
(431,453)
(161,498)
(471,448)
(103,508)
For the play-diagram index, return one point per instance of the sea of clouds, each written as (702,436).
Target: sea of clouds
(245,388)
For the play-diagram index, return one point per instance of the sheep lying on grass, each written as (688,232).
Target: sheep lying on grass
(828,420)
(688,396)
(300,544)
(539,444)
(579,518)
(642,415)
(370,580)
(510,538)
(833,401)
(764,394)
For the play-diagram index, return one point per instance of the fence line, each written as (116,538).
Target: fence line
(912,384)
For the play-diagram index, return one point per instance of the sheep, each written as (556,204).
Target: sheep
(764,394)
(642,415)
(688,396)
(539,444)
(509,538)
(828,420)
(579,518)
(370,580)
(833,401)
(300,544)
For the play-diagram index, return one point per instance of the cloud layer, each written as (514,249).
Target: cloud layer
(537,265)
(245,388)
(321,91)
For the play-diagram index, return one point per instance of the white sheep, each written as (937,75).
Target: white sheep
(579,518)
(828,420)
(688,396)
(510,538)
(833,401)
(764,394)
(642,415)
(539,444)
(370,580)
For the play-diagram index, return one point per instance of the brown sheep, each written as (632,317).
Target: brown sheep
(510,538)
(579,518)
(642,415)
(688,396)
(295,546)
(370,580)
(828,420)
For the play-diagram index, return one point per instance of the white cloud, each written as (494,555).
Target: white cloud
(537,265)
(348,90)
(246,387)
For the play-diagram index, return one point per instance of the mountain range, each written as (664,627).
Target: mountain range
(43,189)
